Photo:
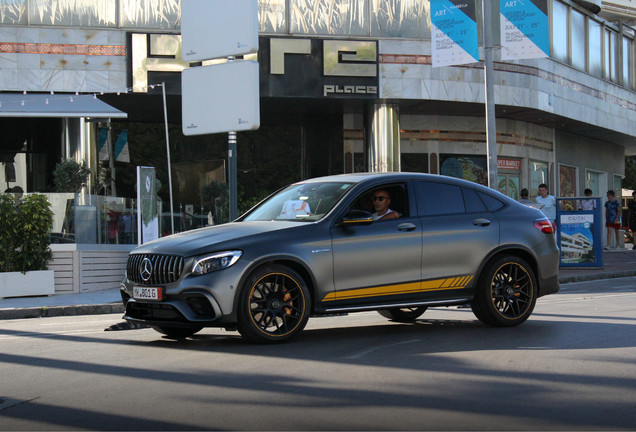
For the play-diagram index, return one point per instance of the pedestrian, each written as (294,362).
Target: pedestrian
(524,197)
(589,203)
(631,215)
(548,204)
(612,219)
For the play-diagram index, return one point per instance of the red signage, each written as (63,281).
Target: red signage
(514,164)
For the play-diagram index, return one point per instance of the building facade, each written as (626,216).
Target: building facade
(345,86)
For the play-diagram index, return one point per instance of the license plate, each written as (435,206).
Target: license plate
(147,293)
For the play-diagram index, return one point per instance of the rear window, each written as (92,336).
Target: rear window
(439,198)
(473,203)
(491,202)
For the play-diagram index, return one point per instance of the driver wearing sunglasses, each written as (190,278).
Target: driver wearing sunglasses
(381,203)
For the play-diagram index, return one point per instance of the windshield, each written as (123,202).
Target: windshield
(300,202)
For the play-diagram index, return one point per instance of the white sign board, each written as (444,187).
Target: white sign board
(220,98)
(218,28)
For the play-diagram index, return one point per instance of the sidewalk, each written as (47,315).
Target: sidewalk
(620,263)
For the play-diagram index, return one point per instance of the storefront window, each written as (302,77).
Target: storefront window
(509,185)
(73,12)
(12,12)
(414,162)
(593,182)
(559,49)
(594,48)
(329,17)
(538,175)
(400,18)
(567,181)
(467,167)
(271,16)
(578,40)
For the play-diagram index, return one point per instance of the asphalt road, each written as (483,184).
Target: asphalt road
(572,366)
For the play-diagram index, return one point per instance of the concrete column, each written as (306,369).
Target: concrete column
(383,138)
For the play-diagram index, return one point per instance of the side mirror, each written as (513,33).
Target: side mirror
(357,217)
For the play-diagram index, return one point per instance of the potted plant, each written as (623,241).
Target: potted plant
(25,227)
(70,176)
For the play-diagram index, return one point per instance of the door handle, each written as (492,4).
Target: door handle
(407,226)
(481,222)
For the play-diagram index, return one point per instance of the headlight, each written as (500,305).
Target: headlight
(215,262)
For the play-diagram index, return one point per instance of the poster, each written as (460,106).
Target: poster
(525,31)
(454,32)
(148,222)
(579,238)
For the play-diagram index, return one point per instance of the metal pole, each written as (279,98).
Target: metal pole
(491,126)
(111,160)
(232,178)
(232,170)
(165,117)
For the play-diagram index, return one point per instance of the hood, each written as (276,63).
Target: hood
(215,238)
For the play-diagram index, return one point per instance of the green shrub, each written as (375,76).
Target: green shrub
(25,227)
(70,176)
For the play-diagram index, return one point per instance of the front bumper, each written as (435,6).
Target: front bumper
(185,309)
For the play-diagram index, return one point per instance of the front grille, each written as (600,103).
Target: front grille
(164,269)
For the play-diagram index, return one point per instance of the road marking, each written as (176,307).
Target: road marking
(363,353)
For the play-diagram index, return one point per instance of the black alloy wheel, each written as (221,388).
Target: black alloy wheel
(506,294)
(274,305)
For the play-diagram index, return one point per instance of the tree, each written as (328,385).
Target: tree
(70,176)
(629,182)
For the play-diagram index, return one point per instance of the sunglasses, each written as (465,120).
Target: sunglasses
(379,198)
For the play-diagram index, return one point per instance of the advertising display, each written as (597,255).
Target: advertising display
(148,221)
(454,32)
(525,31)
(579,236)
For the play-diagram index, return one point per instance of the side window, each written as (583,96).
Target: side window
(396,193)
(473,203)
(491,202)
(439,198)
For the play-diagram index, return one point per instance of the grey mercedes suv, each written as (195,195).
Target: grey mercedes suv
(319,247)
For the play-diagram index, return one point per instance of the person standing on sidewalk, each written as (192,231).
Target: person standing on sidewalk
(612,219)
(548,203)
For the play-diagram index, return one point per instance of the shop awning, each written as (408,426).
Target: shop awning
(55,105)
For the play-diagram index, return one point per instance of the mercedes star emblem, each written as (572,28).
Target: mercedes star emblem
(145,271)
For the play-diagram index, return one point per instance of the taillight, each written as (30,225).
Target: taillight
(544,225)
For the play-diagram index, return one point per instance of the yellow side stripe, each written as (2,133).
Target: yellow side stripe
(407,288)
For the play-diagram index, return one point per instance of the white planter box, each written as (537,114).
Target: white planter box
(33,283)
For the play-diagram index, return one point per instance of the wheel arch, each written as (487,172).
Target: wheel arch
(515,250)
(293,263)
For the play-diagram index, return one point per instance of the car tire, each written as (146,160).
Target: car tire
(177,332)
(506,292)
(274,305)
(403,315)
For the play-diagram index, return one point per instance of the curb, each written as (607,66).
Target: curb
(597,276)
(111,308)
(57,311)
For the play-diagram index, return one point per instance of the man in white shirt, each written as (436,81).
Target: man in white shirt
(548,202)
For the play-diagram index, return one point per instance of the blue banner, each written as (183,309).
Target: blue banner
(121,147)
(454,32)
(525,31)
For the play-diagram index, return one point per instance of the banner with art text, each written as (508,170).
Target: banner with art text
(454,32)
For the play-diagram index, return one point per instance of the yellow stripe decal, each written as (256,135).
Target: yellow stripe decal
(407,288)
